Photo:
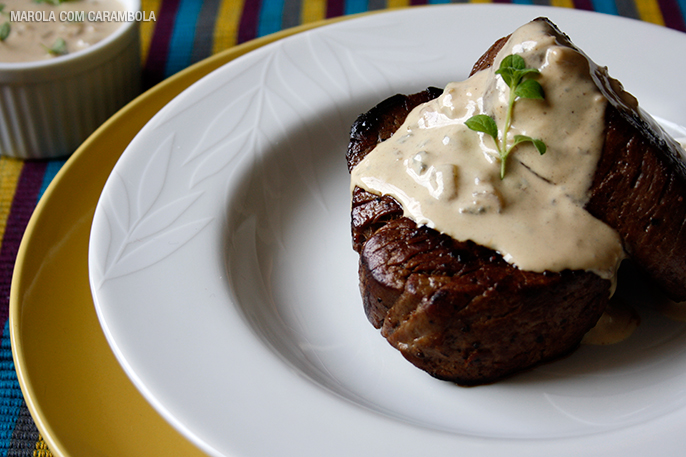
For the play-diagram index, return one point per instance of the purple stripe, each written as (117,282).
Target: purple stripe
(583,5)
(153,71)
(23,204)
(335,8)
(247,28)
(671,13)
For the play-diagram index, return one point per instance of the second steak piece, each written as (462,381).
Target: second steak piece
(639,185)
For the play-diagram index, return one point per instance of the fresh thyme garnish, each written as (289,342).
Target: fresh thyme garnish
(58,48)
(513,70)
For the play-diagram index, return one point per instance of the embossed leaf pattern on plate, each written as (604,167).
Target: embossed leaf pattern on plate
(140,228)
(251,115)
(144,223)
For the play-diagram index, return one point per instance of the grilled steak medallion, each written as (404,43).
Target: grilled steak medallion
(462,313)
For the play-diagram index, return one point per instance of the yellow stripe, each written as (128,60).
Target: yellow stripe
(10,169)
(649,11)
(226,27)
(313,11)
(41,449)
(397,3)
(562,3)
(147,28)
(479,1)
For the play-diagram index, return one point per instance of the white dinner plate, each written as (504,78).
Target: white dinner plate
(224,279)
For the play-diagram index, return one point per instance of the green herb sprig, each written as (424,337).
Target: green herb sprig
(5,28)
(513,70)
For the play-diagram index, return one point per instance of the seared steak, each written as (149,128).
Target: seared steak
(461,312)
(456,309)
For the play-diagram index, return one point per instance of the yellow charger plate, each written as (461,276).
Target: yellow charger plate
(80,398)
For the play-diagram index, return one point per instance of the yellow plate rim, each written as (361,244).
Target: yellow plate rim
(157,96)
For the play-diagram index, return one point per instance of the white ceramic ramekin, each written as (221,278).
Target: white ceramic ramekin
(48,108)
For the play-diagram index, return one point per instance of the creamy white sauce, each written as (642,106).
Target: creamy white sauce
(40,25)
(448,177)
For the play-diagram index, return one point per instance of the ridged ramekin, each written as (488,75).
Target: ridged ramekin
(49,107)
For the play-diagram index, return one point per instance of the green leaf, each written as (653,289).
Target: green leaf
(4,31)
(2,7)
(538,144)
(509,70)
(521,139)
(529,88)
(59,47)
(483,123)
(513,69)
(527,71)
(513,61)
(509,76)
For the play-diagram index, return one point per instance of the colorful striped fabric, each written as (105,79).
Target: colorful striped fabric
(21,186)
(187,31)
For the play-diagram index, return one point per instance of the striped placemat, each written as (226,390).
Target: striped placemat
(185,32)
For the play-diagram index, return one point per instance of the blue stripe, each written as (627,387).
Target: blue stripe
(437,2)
(11,398)
(356,6)
(270,17)
(605,6)
(183,36)
(682,7)
(50,172)
(523,2)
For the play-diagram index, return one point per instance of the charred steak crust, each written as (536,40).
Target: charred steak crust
(380,122)
(639,190)
(460,312)
(456,309)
